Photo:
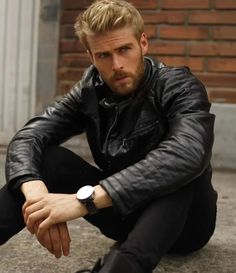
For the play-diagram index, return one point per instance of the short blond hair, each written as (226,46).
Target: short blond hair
(105,15)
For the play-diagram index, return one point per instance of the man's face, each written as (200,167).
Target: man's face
(118,57)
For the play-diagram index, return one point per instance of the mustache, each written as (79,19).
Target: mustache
(120,74)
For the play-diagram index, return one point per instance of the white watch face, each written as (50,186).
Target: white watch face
(85,192)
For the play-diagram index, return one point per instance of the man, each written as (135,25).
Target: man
(151,136)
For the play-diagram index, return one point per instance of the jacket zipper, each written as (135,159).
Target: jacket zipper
(108,136)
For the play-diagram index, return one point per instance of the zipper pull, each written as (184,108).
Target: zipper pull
(124,142)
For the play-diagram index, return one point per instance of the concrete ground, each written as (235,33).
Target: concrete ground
(23,254)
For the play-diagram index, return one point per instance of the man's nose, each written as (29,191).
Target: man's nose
(116,63)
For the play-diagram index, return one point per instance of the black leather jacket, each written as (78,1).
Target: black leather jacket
(149,144)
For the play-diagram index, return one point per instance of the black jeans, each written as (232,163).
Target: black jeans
(179,222)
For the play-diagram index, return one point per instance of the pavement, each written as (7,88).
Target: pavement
(23,254)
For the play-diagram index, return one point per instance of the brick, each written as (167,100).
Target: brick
(212,49)
(225,4)
(166,48)
(224,33)
(174,17)
(75,4)
(218,79)
(74,60)
(70,74)
(195,64)
(151,31)
(69,16)
(220,17)
(78,4)
(64,87)
(67,32)
(147,4)
(181,32)
(225,95)
(186,4)
(70,46)
(222,65)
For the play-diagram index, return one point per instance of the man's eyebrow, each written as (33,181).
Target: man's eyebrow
(124,45)
(101,52)
(117,48)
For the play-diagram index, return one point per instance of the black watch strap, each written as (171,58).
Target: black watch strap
(91,207)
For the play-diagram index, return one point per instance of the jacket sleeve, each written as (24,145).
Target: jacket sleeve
(183,155)
(58,123)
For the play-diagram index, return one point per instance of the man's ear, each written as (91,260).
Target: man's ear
(144,43)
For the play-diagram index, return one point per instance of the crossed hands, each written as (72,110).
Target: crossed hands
(46,216)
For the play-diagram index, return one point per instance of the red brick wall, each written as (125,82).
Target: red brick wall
(198,33)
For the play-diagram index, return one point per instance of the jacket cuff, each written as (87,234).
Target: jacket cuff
(114,190)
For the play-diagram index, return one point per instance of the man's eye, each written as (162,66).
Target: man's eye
(124,49)
(102,55)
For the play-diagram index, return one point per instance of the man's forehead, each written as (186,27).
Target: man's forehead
(111,40)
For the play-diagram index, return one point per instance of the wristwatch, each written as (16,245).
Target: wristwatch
(86,196)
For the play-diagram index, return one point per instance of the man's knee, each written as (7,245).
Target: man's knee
(53,156)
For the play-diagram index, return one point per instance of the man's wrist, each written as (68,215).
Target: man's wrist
(102,199)
(93,198)
(33,188)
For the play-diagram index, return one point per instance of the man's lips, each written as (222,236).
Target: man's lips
(120,79)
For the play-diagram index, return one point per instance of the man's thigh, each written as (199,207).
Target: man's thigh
(65,172)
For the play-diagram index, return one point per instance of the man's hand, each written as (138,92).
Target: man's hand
(56,239)
(51,209)
(46,214)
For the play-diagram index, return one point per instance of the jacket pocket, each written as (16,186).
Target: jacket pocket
(140,134)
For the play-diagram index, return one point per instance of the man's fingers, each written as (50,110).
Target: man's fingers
(65,238)
(34,218)
(36,227)
(46,242)
(27,210)
(55,241)
(32,208)
(30,202)
(59,238)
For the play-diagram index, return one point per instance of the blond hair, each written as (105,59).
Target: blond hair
(105,15)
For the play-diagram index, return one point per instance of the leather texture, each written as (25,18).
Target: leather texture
(148,144)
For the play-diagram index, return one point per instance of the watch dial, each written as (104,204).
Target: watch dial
(85,192)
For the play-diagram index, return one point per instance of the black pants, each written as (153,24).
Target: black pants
(179,222)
